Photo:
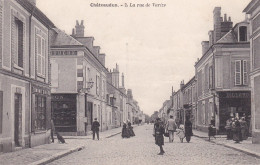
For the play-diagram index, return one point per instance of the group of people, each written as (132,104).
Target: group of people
(161,129)
(237,129)
(127,130)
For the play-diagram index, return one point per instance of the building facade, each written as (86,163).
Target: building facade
(253,8)
(24,75)
(78,82)
(222,74)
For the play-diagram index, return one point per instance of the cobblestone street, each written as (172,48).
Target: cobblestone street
(142,150)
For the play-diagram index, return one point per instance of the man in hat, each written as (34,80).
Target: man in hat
(95,128)
(171,128)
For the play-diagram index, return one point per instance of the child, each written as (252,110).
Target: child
(180,133)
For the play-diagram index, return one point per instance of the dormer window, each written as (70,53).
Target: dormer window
(242,33)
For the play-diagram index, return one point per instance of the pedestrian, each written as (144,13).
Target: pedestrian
(212,128)
(188,129)
(244,128)
(171,128)
(180,132)
(52,131)
(125,132)
(159,131)
(95,128)
(130,128)
(228,128)
(236,129)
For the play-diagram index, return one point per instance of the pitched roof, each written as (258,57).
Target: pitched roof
(36,12)
(63,39)
(228,38)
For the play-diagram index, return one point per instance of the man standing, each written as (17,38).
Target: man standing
(95,128)
(171,128)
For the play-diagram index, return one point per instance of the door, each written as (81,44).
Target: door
(17,119)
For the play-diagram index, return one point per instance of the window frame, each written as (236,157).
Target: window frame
(42,54)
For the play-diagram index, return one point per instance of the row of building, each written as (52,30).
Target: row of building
(46,73)
(227,77)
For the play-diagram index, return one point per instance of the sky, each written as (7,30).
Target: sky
(155,47)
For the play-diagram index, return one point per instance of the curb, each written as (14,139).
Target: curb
(248,152)
(57,156)
(64,153)
(113,135)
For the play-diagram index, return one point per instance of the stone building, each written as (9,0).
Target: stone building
(222,73)
(24,74)
(78,82)
(253,8)
(189,100)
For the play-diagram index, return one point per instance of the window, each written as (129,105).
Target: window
(241,77)
(40,45)
(18,58)
(40,111)
(1,111)
(210,77)
(242,33)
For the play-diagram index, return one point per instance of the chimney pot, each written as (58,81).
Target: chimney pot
(225,17)
(229,19)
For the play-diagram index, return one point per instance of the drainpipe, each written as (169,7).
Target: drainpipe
(30,82)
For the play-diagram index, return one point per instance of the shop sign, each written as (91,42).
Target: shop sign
(232,95)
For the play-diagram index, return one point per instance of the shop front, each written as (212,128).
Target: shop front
(64,112)
(234,104)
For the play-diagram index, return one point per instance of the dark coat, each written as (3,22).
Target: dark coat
(131,131)
(236,129)
(159,132)
(125,132)
(95,126)
(188,128)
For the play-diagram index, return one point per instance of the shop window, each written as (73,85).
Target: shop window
(1,111)
(242,33)
(241,75)
(19,37)
(40,113)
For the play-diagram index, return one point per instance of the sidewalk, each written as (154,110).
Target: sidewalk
(46,153)
(245,146)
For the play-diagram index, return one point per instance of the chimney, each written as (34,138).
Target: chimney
(33,2)
(117,68)
(123,80)
(225,17)
(79,29)
(182,84)
(217,19)
(205,46)
(101,58)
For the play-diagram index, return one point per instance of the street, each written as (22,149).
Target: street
(141,149)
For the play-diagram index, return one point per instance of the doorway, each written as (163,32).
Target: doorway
(17,119)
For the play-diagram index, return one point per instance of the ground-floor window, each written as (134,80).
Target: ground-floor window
(64,112)
(40,111)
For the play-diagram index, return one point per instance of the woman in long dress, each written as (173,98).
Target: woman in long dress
(130,128)
(125,132)
(159,131)
(188,129)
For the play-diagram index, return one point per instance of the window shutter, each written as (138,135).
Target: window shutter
(238,72)
(245,76)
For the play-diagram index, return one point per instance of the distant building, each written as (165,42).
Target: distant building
(189,101)
(253,8)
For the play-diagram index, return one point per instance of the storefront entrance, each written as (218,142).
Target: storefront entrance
(64,112)
(234,104)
